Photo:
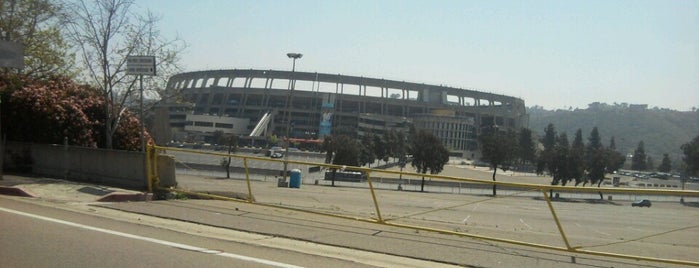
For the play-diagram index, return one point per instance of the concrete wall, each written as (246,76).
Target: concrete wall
(166,171)
(109,167)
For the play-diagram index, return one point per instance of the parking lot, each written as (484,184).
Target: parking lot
(666,230)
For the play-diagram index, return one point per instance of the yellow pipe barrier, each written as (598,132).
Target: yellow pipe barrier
(223,198)
(686,193)
(154,169)
(555,219)
(247,179)
(149,178)
(543,246)
(209,196)
(149,169)
(373,196)
(380,220)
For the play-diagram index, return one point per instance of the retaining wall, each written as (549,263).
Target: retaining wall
(116,168)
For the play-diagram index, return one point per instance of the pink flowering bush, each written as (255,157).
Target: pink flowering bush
(128,134)
(46,111)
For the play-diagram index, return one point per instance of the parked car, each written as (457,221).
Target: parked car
(641,203)
(276,155)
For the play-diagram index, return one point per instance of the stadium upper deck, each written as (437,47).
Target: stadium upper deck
(323,104)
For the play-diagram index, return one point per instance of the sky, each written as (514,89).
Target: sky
(555,54)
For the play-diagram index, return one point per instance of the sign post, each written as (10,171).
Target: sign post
(142,65)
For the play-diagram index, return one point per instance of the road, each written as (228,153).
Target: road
(40,234)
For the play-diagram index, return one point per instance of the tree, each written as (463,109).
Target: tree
(595,158)
(560,160)
(615,159)
(691,156)
(398,144)
(638,161)
(526,151)
(328,148)
(107,31)
(231,141)
(545,161)
(498,148)
(272,139)
(399,149)
(576,158)
(380,148)
(666,164)
(428,154)
(35,24)
(346,151)
(650,164)
(341,150)
(218,137)
(366,152)
(389,138)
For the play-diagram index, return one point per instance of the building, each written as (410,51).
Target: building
(322,104)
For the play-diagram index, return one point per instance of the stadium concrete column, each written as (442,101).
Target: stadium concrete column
(292,83)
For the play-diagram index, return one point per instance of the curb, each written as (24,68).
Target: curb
(15,191)
(126,197)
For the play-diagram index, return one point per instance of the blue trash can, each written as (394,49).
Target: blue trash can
(295,178)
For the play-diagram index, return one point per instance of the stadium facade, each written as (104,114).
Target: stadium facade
(254,103)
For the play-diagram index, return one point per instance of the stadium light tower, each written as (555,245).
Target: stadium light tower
(292,83)
(294,56)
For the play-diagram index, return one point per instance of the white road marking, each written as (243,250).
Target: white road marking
(602,233)
(153,240)
(635,229)
(475,207)
(525,224)
(466,219)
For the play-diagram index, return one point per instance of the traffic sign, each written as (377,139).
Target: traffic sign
(140,65)
(11,54)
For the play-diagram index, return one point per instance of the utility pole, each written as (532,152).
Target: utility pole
(292,83)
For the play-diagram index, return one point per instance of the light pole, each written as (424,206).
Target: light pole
(292,83)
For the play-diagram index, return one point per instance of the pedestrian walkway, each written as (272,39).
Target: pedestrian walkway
(66,191)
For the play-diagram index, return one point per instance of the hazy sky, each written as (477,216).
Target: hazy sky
(554,54)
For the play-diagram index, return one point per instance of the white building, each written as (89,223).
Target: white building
(212,123)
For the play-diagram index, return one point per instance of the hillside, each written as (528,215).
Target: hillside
(662,130)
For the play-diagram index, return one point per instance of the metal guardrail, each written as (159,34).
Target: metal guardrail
(544,189)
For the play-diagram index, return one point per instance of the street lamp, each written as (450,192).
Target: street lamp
(294,56)
(292,83)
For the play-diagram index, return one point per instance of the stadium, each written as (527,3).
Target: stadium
(254,104)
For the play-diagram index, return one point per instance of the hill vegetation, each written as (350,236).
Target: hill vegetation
(661,130)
